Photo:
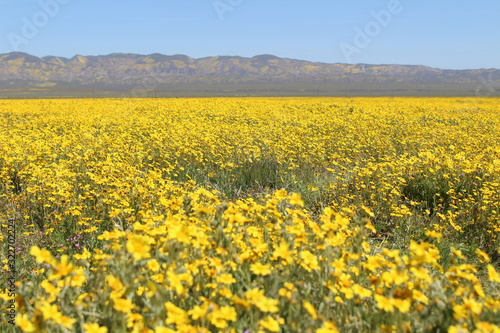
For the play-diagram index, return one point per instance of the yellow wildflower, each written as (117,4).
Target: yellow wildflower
(260,269)
(139,247)
(94,328)
(41,255)
(270,324)
(310,309)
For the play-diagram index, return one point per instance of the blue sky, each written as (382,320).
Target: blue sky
(453,34)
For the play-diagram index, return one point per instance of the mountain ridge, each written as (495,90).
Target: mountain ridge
(122,71)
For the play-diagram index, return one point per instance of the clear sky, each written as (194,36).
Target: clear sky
(455,34)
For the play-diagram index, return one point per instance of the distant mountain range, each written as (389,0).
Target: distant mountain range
(124,74)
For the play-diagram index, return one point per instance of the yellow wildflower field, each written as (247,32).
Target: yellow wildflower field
(250,215)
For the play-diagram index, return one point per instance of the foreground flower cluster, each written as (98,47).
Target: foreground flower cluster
(258,267)
(257,215)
